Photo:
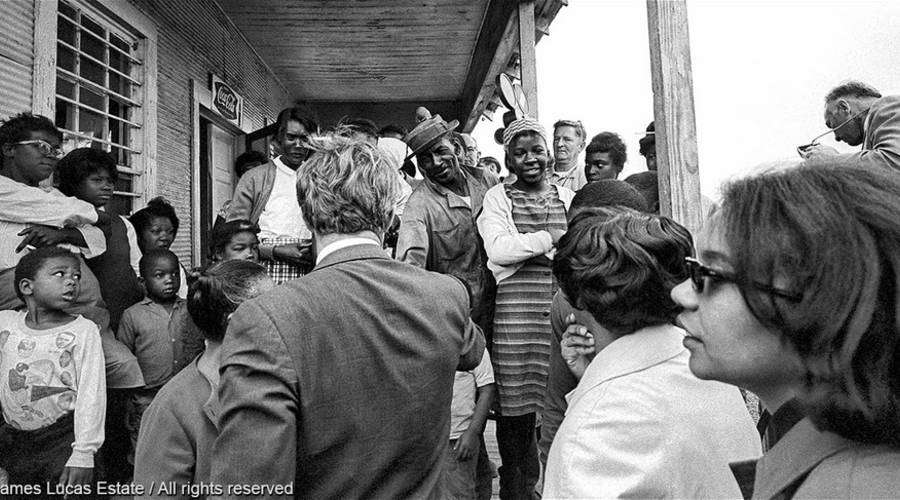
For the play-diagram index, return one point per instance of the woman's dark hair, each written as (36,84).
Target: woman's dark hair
(609,142)
(247,160)
(217,291)
(622,268)
(79,164)
(222,234)
(830,231)
(157,207)
(19,128)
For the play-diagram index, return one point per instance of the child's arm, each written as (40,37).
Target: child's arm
(467,445)
(90,406)
(127,331)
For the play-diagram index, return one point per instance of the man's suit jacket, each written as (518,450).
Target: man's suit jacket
(881,146)
(340,382)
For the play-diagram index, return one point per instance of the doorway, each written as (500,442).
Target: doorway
(217,179)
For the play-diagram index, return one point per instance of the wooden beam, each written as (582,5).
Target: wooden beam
(496,43)
(527,56)
(673,109)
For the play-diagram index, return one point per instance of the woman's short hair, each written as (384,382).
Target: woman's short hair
(829,231)
(217,291)
(347,186)
(80,164)
(157,207)
(622,268)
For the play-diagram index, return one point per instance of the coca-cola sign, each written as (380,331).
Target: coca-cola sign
(226,101)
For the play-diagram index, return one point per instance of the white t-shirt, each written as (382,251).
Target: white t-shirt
(282,217)
(464,386)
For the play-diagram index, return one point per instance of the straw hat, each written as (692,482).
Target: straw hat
(427,133)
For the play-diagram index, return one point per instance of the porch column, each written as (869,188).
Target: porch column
(673,109)
(528,69)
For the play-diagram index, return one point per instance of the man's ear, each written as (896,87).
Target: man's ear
(845,106)
(26,287)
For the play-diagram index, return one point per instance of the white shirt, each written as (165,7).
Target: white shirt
(465,388)
(343,243)
(282,216)
(22,206)
(641,425)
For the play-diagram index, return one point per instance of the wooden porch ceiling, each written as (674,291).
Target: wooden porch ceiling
(378,51)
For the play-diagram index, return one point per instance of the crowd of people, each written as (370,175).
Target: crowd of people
(354,327)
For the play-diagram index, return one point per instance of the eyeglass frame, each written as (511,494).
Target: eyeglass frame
(801,150)
(44,147)
(698,272)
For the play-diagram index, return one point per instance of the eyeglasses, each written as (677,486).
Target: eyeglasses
(700,272)
(44,147)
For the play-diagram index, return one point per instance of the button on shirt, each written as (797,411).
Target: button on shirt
(282,216)
(163,343)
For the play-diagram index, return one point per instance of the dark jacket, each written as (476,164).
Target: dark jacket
(340,382)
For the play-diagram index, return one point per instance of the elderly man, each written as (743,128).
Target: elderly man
(858,114)
(267,196)
(568,142)
(438,230)
(339,383)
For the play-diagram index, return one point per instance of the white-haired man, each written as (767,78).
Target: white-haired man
(340,381)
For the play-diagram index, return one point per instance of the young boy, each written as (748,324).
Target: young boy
(473,394)
(52,383)
(159,332)
(90,175)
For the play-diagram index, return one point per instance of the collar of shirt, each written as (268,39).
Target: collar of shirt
(344,243)
(566,174)
(284,168)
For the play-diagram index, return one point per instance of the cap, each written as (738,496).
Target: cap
(427,133)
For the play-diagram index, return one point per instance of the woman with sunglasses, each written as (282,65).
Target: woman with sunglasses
(639,424)
(794,296)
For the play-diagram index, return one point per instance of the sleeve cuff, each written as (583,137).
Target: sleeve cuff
(266,252)
(81,459)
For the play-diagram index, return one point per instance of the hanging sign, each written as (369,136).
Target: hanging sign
(226,101)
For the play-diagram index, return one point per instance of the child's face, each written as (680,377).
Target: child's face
(243,245)
(162,279)
(55,285)
(160,233)
(96,188)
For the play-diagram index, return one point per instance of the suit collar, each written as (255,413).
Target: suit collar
(631,353)
(797,453)
(355,252)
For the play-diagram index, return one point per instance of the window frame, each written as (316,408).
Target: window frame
(120,18)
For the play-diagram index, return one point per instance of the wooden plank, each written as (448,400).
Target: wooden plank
(43,95)
(527,58)
(673,108)
(496,44)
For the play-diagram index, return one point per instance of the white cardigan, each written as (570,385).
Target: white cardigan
(507,249)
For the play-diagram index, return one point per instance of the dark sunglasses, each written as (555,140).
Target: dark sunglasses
(700,272)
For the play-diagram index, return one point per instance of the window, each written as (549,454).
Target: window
(99,93)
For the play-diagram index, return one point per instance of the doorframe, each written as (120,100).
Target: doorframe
(201,105)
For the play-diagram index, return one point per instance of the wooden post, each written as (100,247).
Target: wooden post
(673,109)
(527,57)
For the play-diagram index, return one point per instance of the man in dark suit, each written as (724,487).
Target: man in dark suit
(339,383)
